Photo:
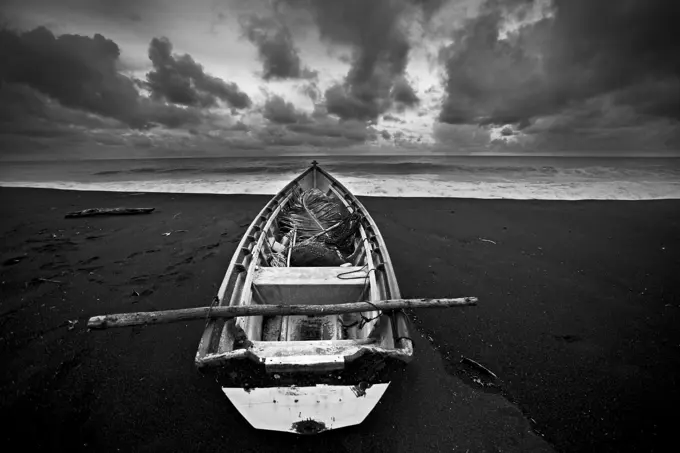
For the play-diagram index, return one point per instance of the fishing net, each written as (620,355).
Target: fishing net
(277,259)
(315,253)
(324,228)
(311,212)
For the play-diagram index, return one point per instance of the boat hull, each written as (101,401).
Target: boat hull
(305,410)
(283,373)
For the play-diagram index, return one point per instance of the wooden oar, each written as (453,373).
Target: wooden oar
(189,314)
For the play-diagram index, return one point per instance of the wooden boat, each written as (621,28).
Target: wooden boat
(297,373)
(302,349)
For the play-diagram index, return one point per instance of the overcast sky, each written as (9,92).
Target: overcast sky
(105,78)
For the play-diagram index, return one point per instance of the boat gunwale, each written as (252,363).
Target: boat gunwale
(392,286)
(209,332)
(403,350)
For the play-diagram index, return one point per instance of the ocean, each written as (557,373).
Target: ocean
(548,178)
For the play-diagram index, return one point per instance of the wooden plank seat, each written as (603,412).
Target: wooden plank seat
(307,285)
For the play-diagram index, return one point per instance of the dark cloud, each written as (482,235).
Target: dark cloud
(393,118)
(598,124)
(375,30)
(429,7)
(240,126)
(63,93)
(25,111)
(151,113)
(133,10)
(327,133)
(180,80)
(623,51)
(120,10)
(80,73)
(385,134)
(362,103)
(311,90)
(403,93)
(290,127)
(349,130)
(461,138)
(278,111)
(280,58)
(653,97)
(507,131)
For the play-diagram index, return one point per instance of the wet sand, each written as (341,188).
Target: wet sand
(578,315)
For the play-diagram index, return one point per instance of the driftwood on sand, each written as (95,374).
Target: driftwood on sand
(188,314)
(108,211)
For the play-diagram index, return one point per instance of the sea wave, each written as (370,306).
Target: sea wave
(415,186)
(518,178)
(441,170)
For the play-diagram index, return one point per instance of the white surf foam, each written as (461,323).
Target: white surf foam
(387,186)
(411,176)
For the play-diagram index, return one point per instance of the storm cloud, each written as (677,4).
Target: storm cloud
(280,58)
(120,10)
(277,110)
(375,31)
(80,72)
(403,93)
(462,76)
(180,80)
(289,126)
(618,53)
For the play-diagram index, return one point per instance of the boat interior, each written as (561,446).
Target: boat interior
(261,273)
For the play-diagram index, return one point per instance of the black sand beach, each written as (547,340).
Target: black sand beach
(578,316)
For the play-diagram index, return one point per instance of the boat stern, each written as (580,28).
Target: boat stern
(305,410)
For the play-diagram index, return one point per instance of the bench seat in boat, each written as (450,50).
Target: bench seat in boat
(307,285)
